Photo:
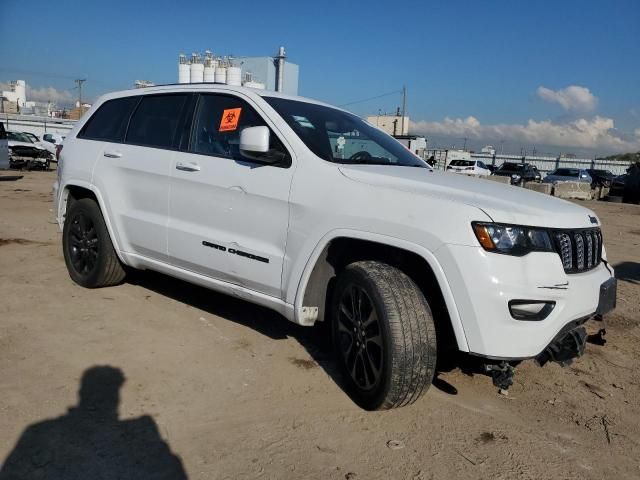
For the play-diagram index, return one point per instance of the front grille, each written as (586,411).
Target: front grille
(580,250)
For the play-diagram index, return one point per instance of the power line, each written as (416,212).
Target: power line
(395,92)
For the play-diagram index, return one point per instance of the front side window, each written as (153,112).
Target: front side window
(341,137)
(155,121)
(217,125)
(108,123)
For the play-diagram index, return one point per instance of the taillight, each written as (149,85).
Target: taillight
(58,150)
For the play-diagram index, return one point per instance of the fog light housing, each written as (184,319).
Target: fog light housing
(531,310)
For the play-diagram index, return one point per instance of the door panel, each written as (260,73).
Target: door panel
(138,190)
(229,219)
(134,174)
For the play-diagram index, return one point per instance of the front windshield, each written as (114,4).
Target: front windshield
(19,137)
(341,137)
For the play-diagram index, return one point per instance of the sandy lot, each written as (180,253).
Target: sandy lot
(216,388)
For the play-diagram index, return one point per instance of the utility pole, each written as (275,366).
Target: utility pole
(404,106)
(464,147)
(79,82)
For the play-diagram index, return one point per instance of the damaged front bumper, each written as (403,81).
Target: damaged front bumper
(568,344)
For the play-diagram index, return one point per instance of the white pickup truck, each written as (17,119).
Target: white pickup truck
(309,210)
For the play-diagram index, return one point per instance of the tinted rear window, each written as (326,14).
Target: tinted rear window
(515,167)
(155,120)
(462,163)
(567,172)
(110,121)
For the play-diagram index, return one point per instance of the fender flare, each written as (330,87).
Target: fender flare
(62,207)
(426,254)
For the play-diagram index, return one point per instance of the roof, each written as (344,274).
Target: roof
(177,87)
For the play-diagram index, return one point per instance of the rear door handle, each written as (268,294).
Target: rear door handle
(112,154)
(188,167)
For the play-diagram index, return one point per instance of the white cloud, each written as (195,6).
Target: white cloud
(49,94)
(574,97)
(597,133)
(45,94)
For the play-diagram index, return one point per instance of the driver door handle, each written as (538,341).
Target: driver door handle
(112,154)
(188,167)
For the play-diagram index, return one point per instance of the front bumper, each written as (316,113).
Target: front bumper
(483,283)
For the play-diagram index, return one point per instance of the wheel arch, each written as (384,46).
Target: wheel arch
(76,190)
(341,247)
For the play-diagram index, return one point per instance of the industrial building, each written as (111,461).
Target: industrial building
(395,125)
(15,101)
(270,73)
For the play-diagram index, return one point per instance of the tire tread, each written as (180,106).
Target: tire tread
(413,334)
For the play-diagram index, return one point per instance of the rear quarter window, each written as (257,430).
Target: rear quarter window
(109,123)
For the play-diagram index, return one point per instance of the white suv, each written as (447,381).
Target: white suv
(307,209)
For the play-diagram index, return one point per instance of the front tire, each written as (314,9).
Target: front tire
(88,252)
(383,334)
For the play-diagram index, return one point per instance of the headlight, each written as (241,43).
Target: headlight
(512,239)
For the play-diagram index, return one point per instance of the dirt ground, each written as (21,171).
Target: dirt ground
(219,389)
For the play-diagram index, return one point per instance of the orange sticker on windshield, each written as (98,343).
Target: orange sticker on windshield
(230,119)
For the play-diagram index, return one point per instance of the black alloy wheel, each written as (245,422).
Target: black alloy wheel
(360,337)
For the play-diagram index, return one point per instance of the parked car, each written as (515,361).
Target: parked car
(50,147)
(23,153)
(632,184)
(568,175)
(244,191)
(519,172)
(601,178)
(54,138)
(4,148)
(475,167)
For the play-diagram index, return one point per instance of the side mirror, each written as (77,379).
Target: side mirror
(254,145)
(254,140)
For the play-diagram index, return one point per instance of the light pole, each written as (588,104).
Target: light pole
(79,82)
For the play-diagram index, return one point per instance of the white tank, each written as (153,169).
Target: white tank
(209,73)
(234,76)
(221,75)
(184,75)
(197,73)
(256,85)
(183,69)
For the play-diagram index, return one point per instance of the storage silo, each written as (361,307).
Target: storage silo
(196,69)
(184,75)
(221,74)
(234,76)
(209,67)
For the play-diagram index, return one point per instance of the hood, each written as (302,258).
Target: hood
(16,143)
(503,203)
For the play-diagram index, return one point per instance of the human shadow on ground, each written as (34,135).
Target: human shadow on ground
(91,442)
(628,272)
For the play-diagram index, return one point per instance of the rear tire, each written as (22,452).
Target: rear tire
(383,335)
(88,251)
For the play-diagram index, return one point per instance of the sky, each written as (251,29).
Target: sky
(554,76)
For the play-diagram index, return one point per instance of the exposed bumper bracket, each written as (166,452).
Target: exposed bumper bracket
(565,347)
